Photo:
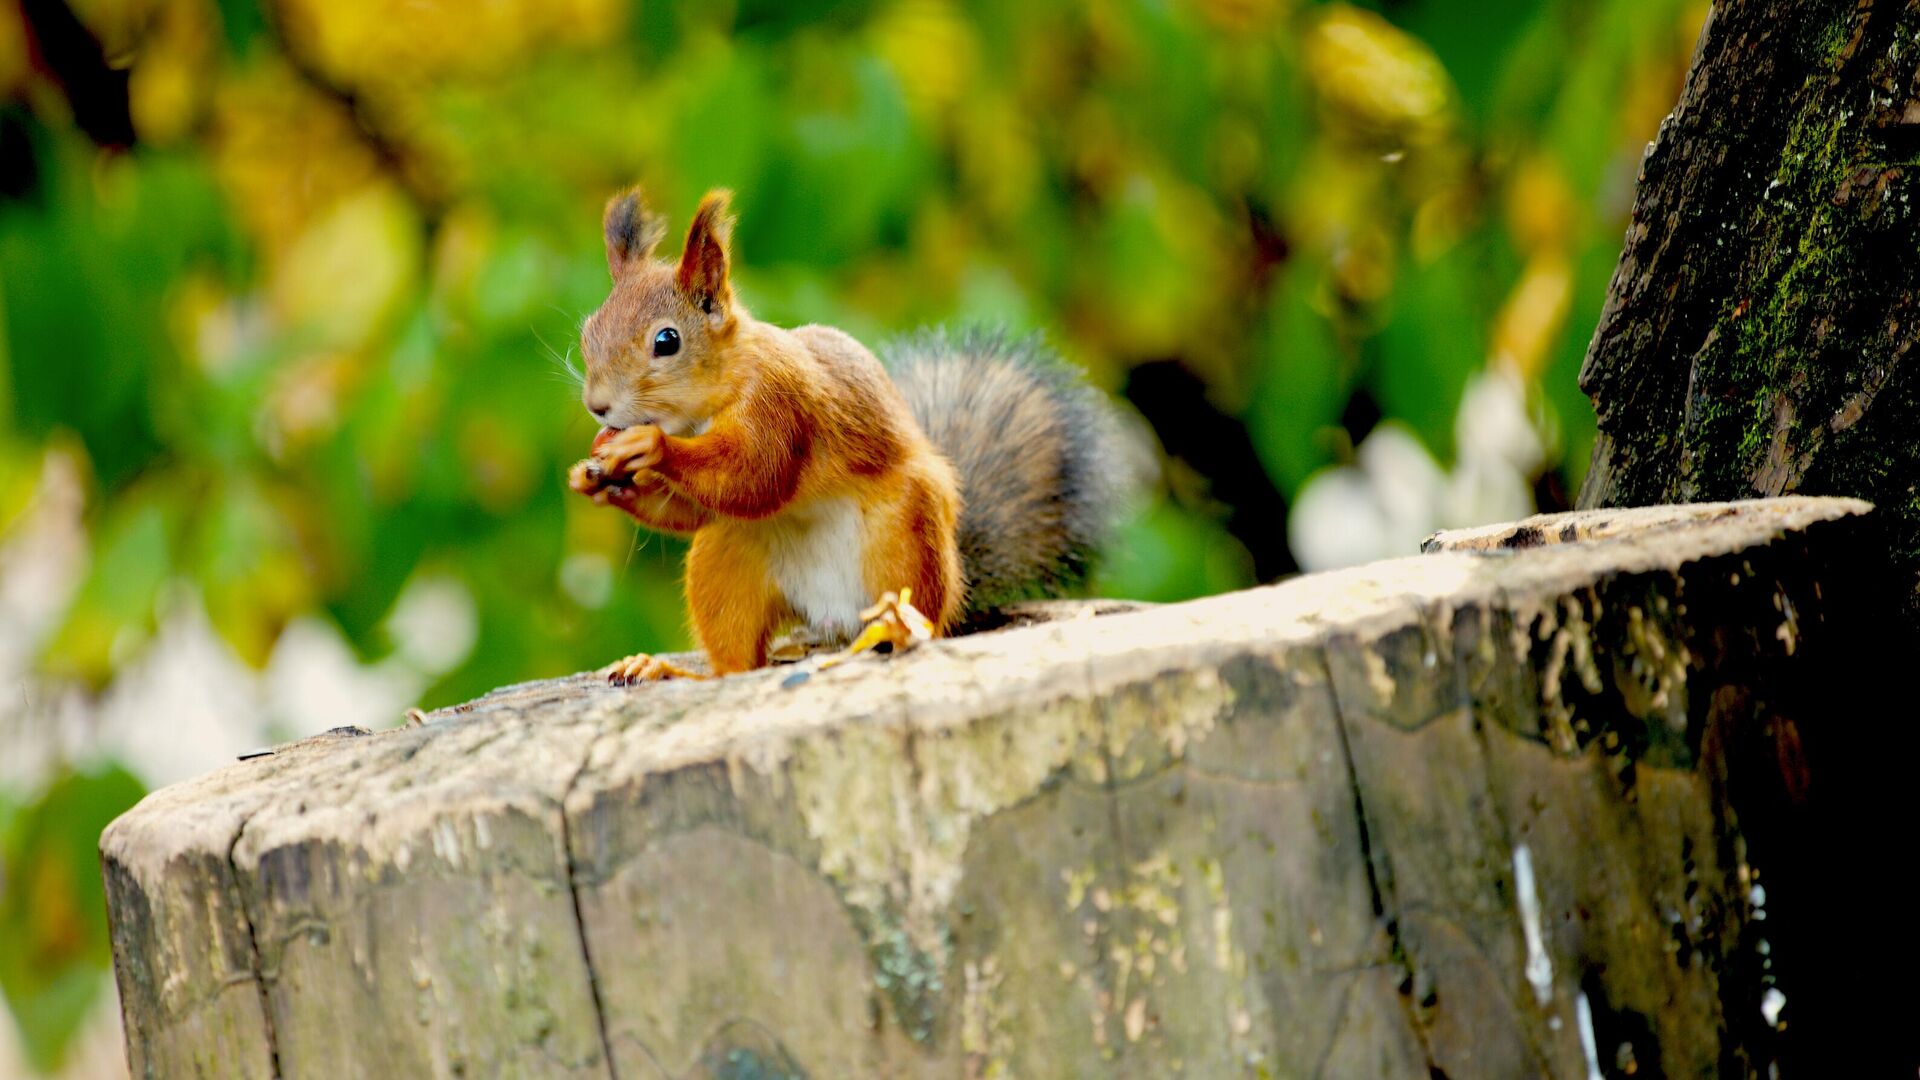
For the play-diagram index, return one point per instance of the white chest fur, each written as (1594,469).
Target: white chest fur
(814,554)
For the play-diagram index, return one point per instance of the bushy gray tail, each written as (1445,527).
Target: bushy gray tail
(1043,464)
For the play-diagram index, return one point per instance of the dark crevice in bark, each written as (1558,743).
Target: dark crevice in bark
(579,916)
(1465,698)
(253,947)
(1379,875)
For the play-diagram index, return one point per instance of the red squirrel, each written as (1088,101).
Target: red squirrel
(813,481)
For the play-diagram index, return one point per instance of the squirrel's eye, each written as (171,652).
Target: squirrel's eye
(666,342)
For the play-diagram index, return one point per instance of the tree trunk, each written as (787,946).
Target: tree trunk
(1484,812)
(1755,336)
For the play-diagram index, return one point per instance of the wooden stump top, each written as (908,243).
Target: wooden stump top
(1451,811)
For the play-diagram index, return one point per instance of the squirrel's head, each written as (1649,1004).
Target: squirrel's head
(654,348)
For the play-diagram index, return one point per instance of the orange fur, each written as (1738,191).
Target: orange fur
(734,605)
(746,430)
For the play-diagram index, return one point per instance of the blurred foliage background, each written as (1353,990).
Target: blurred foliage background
(289,290)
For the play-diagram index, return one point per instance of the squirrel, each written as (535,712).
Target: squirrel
(812,481)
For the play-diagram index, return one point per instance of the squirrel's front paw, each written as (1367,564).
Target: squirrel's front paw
(586,477)
(632,450)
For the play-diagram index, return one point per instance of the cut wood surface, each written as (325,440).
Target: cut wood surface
(1477,813)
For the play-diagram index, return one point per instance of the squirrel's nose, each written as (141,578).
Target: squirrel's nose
(599,406)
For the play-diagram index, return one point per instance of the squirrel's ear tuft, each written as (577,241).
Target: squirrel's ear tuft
(703,265)
(633,231)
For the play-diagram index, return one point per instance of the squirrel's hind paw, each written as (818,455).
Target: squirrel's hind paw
(643,667)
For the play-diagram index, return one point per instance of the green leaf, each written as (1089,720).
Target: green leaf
(1168,554)
(1571,409)
(114,608)
(1584,128)
(1303,382)
(241,23)
(1476,40)
(730,96)
(20,466)
(1434,338)
(86,281)
(841,175)
(53,906)
(250,571)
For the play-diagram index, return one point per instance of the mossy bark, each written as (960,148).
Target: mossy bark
(1483,812)
(1755,336)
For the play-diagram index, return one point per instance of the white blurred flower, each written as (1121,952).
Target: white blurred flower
(1404,473)
(1381,506)
(1395,494)
(1493,423)
(434,623)
(314,682)
(1337,520)
(43,557)
(1481,491)
(1500,451)
(185,705)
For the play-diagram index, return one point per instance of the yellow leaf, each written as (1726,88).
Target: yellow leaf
(1363,264)
(1377,74)
(1541,208)
(116,24)
(284,154)
(345,275)
(304,402)
(1534,314)
(383,45)
(466,240)
(168,83)
(1000,166)
(13,51)
(932,50)
(56,927)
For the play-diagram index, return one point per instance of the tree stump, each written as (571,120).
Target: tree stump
(1522,806)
